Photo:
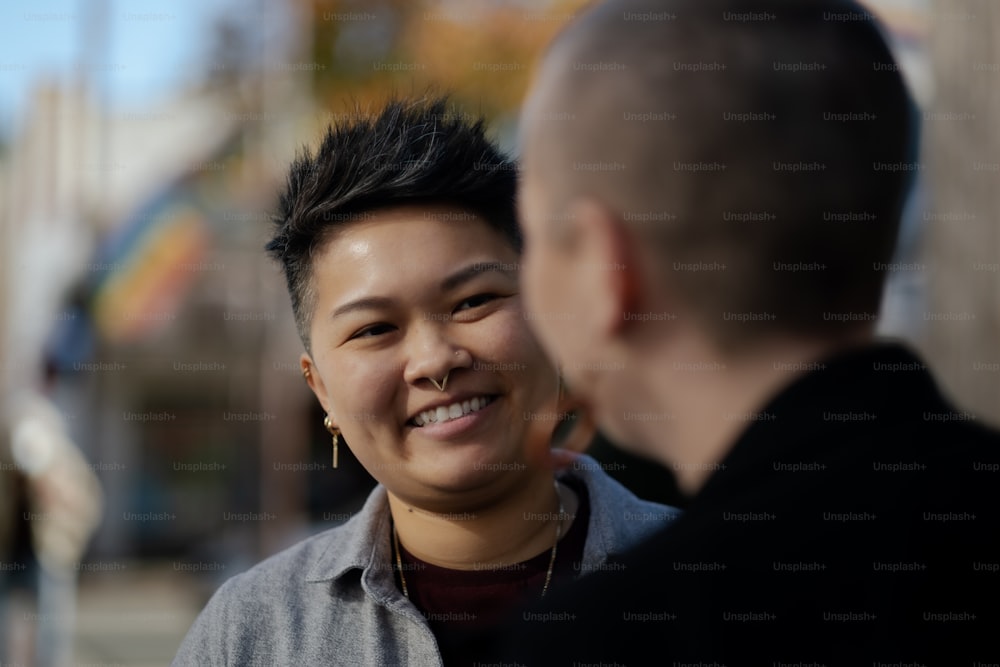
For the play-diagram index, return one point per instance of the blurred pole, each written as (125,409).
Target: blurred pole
(962,238)
(57,579)
(93,71)
(56,618)
(281,99)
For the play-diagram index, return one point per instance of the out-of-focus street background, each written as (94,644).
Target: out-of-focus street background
(148,358)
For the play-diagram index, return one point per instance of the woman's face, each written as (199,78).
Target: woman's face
(410,295)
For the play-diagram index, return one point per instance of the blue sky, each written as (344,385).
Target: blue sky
(150,48)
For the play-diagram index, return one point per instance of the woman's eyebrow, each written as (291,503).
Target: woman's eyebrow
(366,303)
(465,274)
(455,280)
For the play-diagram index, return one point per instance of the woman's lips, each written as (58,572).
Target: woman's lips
(451,427)
(444,413)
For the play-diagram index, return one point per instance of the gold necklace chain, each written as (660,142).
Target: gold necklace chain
(552,557)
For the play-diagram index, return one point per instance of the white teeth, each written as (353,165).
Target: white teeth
(449,412)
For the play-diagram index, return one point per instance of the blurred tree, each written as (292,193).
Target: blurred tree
(483,51)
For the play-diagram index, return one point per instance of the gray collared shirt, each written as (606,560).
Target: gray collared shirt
(332,599)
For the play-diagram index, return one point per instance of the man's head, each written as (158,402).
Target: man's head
(733,169)
(411,153)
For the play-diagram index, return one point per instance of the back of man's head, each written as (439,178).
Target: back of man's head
(765,149)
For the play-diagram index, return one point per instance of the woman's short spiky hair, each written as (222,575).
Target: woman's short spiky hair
(411,152)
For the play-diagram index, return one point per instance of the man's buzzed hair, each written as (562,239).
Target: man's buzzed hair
(766,148)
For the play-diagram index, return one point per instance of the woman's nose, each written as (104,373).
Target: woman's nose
(433,355)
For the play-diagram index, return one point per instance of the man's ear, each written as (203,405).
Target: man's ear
(314,380)
(607,249)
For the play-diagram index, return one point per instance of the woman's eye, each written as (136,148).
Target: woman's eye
(474,301)
(373,330)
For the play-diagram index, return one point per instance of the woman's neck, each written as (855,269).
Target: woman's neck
(518,527)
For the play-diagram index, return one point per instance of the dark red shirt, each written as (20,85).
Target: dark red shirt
(460,603)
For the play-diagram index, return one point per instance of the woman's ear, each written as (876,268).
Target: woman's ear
(314,380)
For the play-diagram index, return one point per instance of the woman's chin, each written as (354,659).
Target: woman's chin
(467,469)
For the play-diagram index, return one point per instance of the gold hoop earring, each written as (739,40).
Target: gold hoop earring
(306,374)
(335,432)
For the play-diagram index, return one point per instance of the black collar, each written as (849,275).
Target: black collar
(808,421)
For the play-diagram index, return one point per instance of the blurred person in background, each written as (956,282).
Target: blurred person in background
(58,500)
(400,247)
(711,196)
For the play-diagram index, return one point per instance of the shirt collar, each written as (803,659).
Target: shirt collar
(357,544)
(618,521)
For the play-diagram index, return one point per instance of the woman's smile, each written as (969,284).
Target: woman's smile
(454,418)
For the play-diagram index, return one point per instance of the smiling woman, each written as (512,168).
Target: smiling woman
(401,250)
(407,302)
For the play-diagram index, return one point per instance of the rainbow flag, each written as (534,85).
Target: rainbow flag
(146,267)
